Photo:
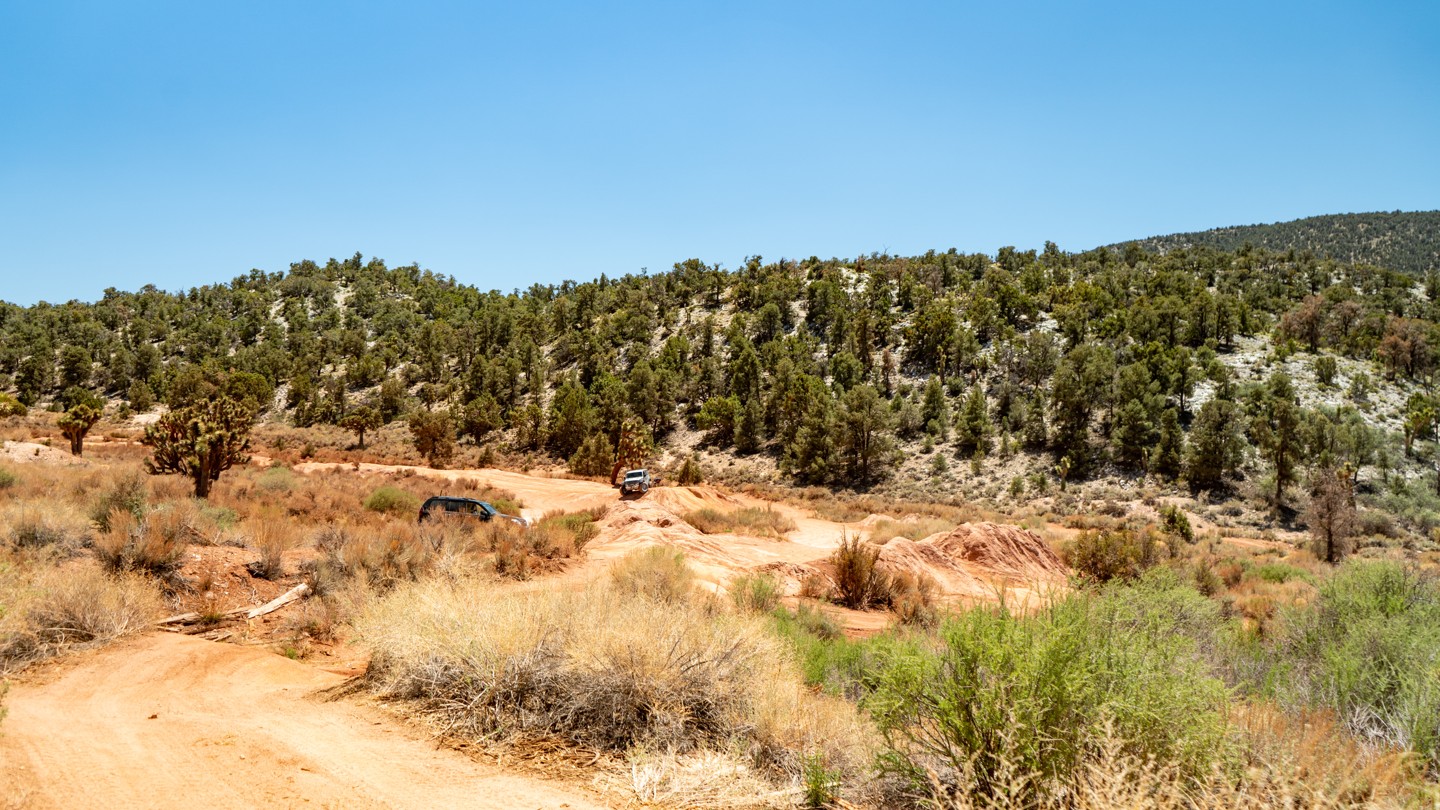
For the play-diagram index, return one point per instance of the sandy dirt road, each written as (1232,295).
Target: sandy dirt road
(166,721)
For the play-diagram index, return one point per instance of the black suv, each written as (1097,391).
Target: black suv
(445,506)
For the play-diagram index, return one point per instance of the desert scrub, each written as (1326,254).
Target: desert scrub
(125,493)
(1370,650)
(750,520)
(154,544)
(1036,694)
(580,526)
(656,573)
(393,501)
(756,592)
(1098,556)
(603,669)
(45,611)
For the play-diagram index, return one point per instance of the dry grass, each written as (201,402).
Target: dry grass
(271,539)
(380,558)
(1114,779)
(606,669)
(751,521)
(153,545)
(657,574)
(917,528)
(49,609)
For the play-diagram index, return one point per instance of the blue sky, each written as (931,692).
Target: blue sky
(185,143)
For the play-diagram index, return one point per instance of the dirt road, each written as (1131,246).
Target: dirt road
(168,721)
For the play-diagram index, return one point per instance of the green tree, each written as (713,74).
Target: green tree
(1170,452)
(571,419)
(747,430)
(719,416)
(1133,434)
(1216,446)
(434,435)
(1276,427)
(481,417)
(935,410)
(200,440)
(360,420)
(594,457)
(972,433)
(866,442)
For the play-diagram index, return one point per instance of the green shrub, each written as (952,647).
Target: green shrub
(579,525)
(1176,522)
(1038,693)
(690,473)
(392,501)
(7,479)
(756,593)
(126,494)
(1103,555)
(10,406)
(276,479)
(1280,573)
(1369,650)
(829,660)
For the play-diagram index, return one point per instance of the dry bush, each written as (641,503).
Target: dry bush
(912,599)
(751,520)
(154,544)
(53,526)
(382,558)
(603,669)
(917,529)
(271,539)
(1113,778)
(48,610)
(859,583)
(657,573)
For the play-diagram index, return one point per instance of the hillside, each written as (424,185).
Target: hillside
(987,379)
(1408,241)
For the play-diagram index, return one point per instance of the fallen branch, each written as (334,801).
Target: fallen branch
(297,592)
(178,622)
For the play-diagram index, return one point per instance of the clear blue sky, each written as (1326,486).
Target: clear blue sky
(184,143)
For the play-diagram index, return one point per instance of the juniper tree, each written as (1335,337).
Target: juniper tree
(360,420)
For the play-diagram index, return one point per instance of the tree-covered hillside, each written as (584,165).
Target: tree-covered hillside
(1101,361)
(1408,241)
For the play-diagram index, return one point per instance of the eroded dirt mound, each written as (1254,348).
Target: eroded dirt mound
(1009,552)
(629,525)
(28,452)
(925,557)
(685,499)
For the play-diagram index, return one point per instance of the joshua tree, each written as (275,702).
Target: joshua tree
(76,422)
(200,440)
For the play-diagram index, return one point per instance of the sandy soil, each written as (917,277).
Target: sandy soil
(34,452)
(168,721)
